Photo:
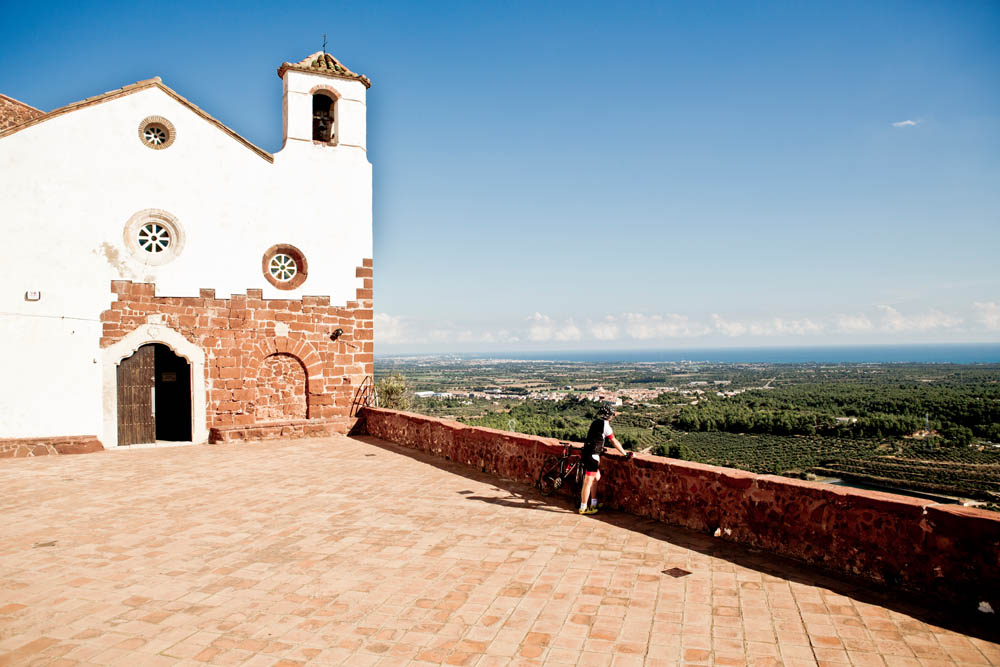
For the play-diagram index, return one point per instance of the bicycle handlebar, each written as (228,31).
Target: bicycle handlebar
(568,450)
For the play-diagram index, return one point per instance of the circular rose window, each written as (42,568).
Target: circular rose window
(153,236)
(156,132)
(284,266)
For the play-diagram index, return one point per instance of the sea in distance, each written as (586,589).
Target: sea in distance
(969,353)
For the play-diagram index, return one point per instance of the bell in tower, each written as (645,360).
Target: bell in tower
(323,121)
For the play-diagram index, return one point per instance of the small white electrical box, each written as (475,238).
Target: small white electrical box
(32,295)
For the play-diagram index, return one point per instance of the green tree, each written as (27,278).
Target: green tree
(674,451)
(392,392)
(956,436)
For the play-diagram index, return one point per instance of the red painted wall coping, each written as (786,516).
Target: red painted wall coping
(946,552)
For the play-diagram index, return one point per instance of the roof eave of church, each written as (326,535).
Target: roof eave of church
(134,88)
(332,68)
(20,103)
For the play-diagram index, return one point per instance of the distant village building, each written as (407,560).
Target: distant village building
(167,278)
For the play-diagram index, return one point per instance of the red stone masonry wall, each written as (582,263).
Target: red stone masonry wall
(948,552)
(282,388)
(26,447)
(239,334)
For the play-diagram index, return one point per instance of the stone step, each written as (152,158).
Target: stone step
(292,428)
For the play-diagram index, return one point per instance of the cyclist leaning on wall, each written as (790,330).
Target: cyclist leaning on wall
(599,433)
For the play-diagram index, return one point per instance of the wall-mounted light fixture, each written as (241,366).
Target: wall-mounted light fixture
(337,333)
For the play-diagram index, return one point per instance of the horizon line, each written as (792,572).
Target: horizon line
(701,348)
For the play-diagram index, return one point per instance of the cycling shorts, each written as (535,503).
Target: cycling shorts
(591,463)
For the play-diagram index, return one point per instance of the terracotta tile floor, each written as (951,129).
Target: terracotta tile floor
(347,551)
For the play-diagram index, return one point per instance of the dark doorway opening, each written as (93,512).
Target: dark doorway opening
(172,391)
(154,396)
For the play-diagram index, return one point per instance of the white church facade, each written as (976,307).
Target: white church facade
(168,280)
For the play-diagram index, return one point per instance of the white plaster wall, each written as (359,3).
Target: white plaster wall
(71,183)
(351,129)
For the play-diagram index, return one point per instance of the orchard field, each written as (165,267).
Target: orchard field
(928,428)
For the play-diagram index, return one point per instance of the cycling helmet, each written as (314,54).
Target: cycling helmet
(605,411)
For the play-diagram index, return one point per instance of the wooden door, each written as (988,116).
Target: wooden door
(136,377)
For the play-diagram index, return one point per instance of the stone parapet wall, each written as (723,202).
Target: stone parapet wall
(947,552)
(27,447)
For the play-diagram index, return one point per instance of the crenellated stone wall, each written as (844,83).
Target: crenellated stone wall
(948,552)
(268,362)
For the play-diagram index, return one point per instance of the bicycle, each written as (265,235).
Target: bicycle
(558,469)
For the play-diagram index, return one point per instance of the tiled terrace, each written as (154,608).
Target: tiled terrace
(353,551)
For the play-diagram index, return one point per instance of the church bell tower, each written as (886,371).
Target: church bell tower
(323,103)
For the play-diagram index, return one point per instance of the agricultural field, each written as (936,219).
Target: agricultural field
(921,428)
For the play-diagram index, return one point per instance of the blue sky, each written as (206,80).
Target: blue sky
(584,175)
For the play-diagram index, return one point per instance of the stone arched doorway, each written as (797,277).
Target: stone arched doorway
(282,388)
(154,396)
(183,354)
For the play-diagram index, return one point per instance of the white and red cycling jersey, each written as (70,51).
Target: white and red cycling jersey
(600,431)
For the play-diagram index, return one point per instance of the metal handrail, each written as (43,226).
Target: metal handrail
(365,396)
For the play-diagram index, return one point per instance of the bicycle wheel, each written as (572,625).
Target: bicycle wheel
(551,476)
(578,476)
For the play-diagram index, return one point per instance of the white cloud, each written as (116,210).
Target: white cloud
(671,325)
(893,320)
(727,327)
(853,323)
(606,329)
(988,314)
(396,330)
(906,123)
(568,332)
(390,329)
(775,326)
(881,321)
(803,327)
(543,328)
(501,336)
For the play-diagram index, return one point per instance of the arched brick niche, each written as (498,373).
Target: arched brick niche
(282,388)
